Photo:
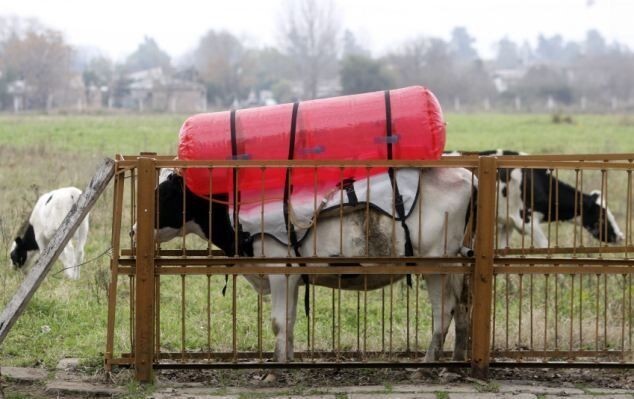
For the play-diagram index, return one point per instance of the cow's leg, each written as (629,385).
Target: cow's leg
(461,317)
(68,260)
(442,303)
(504,234)
(283,309)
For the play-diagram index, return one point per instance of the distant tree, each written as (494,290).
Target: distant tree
(271,67)
(309,36)
(42,59)
(225,66)
(508,56)
(351,46)
(148,55)
(595,43)
(542,82)
(361,74)
(461,45)
(550,48)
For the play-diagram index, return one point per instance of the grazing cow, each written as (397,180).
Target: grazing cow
(539,185)
(444,203)
(46,217)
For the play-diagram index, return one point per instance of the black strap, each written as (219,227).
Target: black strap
(287,195)
(398,199)
(348,186)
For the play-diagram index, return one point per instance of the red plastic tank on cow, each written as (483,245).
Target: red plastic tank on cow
(340,128)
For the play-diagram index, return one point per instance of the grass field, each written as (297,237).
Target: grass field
(39,153)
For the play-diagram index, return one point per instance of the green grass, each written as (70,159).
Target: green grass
(39,153)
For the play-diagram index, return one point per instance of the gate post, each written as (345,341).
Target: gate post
(483,270)
(144,293)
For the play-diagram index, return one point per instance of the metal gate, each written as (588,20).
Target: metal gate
(568,304)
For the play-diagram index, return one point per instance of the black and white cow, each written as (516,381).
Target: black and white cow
(46,217)
(443,204)
(515,211)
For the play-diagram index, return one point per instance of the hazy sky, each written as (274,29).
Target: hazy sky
(117,26)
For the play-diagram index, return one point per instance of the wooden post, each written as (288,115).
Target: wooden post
(49,255)
(483,273)
(144,293)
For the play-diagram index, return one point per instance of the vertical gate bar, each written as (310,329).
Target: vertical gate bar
(629,310)
(572,311)
(556,235)
(234,320)
(341,189)
(623,319)
(581,213)
(580,311)
(407,348)
(157,307)
(495,303)
(546,276)
(532,233)
(312,316)
(550,206)
(144,292)
(316,217)
(117,214)
(183,294)
(332,308)
(520,312)
(157,284)
(391,315)
(339,317)
(210,219)
(532,346)
(605,311)
(209,315)
(234,311)
(133,187)
(365,314)
(524,218)
(367,215)
(596,315)
(606,194)
(416,348)
(506,305)
(483,270)
(506,203)
(443,282)
(601,215)
(382,320)
(358,323)
(497,211)
(260,303)
(262,170)
(556,281)
(132,316)
(183,217)
(576,208)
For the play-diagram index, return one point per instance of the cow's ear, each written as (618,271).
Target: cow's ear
(595,194)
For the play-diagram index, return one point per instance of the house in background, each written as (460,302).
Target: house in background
(154,90)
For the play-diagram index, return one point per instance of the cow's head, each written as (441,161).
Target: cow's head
(599,220)
(178,211)
(24,247)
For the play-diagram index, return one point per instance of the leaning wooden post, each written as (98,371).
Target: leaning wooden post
(144,298)
(483,273)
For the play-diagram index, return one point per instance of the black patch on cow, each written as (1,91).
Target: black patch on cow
(49,199)
(170,193)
